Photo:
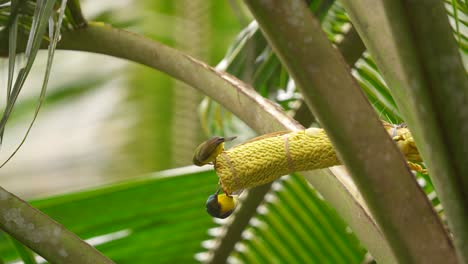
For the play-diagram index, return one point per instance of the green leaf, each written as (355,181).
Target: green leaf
(13,32)
(40,22)
(157,216)
(295,225)
(27,256)
(54,34)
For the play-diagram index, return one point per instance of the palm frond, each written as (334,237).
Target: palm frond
(54,34)
(295,225)
(155,216)
(457,11)
(252,60)
(27,256)
(43,19)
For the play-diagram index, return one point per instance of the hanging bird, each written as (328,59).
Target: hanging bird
(221,205)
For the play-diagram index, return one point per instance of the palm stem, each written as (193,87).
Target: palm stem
(42,234)
(418,57)
(377,167)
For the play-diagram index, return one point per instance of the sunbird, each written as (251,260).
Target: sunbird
(207,151)
(220,205)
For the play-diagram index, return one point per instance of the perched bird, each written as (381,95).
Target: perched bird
(207,151)
(220,205)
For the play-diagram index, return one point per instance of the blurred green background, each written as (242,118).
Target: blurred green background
(127,119)
(108,124)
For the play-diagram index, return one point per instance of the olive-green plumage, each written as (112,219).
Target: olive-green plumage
(207,151)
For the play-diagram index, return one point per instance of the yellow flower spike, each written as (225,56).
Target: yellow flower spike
(261,161)
(416,167)
(268,157)
(207,151)
(221,205)
(404,140)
